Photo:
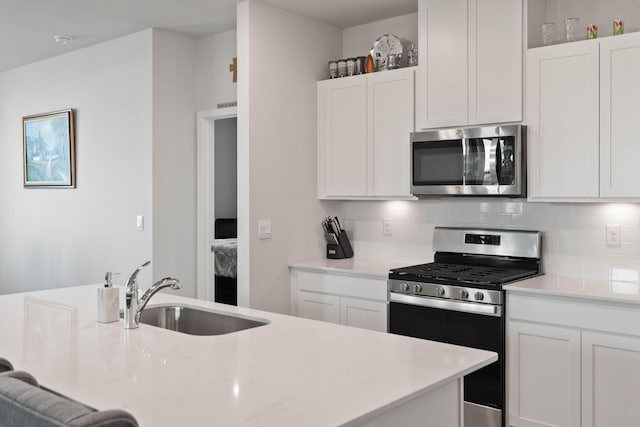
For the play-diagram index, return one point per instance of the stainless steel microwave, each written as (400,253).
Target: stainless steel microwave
(473,161)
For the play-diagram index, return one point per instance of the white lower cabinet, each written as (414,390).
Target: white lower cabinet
(344,299)
(316,306)
(363,313)
(572,363)
(544,375)
(610,380)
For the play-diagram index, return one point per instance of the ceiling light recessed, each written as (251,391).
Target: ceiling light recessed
(62,39)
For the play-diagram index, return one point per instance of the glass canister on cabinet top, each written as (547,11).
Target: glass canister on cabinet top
(351,66)
(548,30)
(342,68)
(333,69)
(571,28)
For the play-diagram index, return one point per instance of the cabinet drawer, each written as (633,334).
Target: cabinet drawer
(617,318)
(344,285)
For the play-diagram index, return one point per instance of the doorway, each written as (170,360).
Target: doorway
(217,205)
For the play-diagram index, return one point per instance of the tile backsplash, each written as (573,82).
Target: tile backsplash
(574,238)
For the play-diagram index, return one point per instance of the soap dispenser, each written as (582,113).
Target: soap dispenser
(108,301)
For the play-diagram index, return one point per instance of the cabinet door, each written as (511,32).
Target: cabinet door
(619,124)
(610,378)
(342,137)
(442,76)
(319,306)
(495,61)
(390,117)
(562,118)
(363,314)
(544,375)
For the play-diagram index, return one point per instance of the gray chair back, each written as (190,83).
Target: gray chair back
(23,403)
(5,365)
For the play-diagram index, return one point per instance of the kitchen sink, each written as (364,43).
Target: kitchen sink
(197,321)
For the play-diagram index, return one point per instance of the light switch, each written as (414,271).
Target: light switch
(140,222)
(264,229)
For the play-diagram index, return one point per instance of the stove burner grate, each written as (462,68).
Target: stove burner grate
(470,274)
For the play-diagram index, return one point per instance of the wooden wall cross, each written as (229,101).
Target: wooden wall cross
(234,68)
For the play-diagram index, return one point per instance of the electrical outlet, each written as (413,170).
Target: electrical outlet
(613,235)
(387,228)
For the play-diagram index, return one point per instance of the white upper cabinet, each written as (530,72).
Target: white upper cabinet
(495,61)
(390,121)
(364,123)
(619,122)
(342,136)
(442,76)
(582,119)
(562,120)
(471,62)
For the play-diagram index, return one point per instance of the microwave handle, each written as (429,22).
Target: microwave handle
(493,161)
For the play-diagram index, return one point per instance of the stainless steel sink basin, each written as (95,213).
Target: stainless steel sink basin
(197,321)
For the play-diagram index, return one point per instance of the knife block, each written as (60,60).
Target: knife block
(342,250)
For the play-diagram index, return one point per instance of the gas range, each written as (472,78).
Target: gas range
(471,265)
(458,299)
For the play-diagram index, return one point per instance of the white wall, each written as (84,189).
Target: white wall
(214,81)
(277,146)
(573,239)
(226,168)
(174,159)
(51,238)
(358,41)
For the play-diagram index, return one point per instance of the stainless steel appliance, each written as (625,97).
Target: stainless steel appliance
(458,299)
(474,161)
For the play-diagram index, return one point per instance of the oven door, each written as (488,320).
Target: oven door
(484,390)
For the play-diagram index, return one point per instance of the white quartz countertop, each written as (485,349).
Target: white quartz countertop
(355,266)
(291,372)
(614,289)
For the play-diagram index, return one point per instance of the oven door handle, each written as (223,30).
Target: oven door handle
(465,307)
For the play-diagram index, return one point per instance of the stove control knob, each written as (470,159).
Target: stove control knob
(479,296)
(464,294)
(440,291)
(417,289)
(405,287)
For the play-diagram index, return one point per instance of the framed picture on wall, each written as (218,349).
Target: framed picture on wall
(49,150)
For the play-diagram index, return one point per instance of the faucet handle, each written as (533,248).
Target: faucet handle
(134,275)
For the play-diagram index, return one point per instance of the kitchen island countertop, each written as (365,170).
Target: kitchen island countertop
(291,372)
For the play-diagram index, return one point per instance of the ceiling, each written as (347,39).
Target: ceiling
(27,27)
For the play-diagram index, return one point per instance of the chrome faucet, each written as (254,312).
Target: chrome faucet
(133,306)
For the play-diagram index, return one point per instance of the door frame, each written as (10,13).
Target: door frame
(205,192)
